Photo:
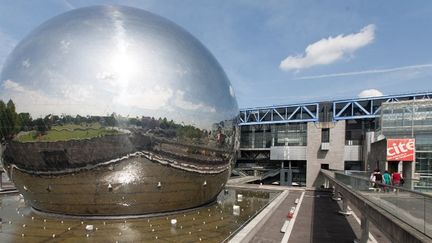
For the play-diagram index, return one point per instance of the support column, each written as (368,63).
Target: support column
(336,196)
(326,183)
(273,133)
(253,137)
(345,211)
(290,177)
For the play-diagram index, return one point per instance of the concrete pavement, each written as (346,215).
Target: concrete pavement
(318,220)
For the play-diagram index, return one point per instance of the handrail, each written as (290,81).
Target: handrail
(405,209)
(382,184)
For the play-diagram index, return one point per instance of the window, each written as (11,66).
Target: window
(325,135)
(325,166)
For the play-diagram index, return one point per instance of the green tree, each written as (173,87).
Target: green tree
(55,119)
(79,119)
(41,126)
(66,119)
(48,120)
(3,120)
(26,121)
(9,122)
(111,120)
(189,132)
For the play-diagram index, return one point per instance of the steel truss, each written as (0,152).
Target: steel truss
(364,108)
(280,114)
(360,108)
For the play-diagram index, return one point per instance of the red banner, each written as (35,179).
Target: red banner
(400,149)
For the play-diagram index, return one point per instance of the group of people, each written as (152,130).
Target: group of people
(394,179)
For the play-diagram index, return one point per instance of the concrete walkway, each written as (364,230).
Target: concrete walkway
(318,220)
(270,232)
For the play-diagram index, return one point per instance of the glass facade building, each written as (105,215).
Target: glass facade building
(410,119)
(338,135)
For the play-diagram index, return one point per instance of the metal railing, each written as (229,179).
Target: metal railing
(422,184)
(412,207)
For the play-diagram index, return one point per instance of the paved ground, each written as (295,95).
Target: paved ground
(317,221)
(270,232)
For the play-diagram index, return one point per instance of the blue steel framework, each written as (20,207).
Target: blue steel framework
(360,108)
(280,114)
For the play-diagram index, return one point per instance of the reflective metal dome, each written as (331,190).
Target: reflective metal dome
(125,106)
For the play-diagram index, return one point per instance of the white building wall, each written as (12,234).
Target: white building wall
(353,153)
(315,156)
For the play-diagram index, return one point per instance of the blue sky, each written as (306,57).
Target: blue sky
(281,52)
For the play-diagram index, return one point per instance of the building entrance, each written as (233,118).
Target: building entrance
(293,173)
(393,166)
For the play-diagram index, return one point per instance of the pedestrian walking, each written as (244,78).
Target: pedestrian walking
(396,180)
(387,180)
(378,180)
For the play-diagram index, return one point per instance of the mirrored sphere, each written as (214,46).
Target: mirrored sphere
(116,111)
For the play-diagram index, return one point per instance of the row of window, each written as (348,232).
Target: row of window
(265,136)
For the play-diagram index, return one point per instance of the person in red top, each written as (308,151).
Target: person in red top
(396,179)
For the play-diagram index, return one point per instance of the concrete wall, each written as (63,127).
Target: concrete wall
(315,156)
(353,153)
(378,154)
(367,143)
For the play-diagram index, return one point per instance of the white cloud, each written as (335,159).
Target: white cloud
(370,93)
(77,93)
(72,101)
(26,100)
(152,99)
(26,63)
(13,86)
(65,46)
(180,102)
(106,76)
(231,90)
(329,50)
(84,100)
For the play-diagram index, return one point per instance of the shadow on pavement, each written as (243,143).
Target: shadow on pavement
(327,224)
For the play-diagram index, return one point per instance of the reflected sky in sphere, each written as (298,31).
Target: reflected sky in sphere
(104,59)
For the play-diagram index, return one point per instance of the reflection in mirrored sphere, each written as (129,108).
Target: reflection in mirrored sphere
(116,111)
